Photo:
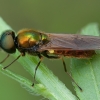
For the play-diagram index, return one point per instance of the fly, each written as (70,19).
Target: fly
(50,45)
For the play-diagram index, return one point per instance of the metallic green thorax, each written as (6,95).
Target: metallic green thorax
(29,38)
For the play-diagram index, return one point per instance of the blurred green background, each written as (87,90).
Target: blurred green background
(59,16)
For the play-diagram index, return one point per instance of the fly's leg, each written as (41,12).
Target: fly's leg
(51,57)
(69,74)
(4,59)
(57,57)
(41,58)
(13,61)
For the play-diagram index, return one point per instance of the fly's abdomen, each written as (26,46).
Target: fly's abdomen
(75,53)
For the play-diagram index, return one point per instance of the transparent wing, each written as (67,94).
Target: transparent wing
(71,42)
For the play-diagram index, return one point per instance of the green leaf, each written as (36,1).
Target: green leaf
(49,85)
(86,72)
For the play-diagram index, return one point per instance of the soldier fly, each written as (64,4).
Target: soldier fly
(53,46)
